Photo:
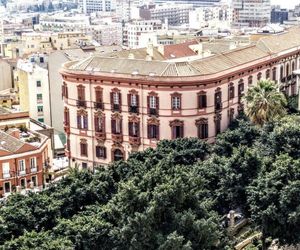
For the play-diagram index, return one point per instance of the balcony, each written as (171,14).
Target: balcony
(153,111)
(6,175)
(22,172)
(133,109)
(117,138)
(81,104)
(33,169)
(99,105)
(134,141)
(116,107)
(218,106)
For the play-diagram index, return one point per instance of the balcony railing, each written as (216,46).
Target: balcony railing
(33,170)
(153,111)
(6,175)
(218,106)
(116,107)
(22,172)
(133,109)
(99,105)
(81,103)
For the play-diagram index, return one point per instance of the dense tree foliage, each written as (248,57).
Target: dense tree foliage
(171,197)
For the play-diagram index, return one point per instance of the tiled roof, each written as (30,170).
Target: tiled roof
(272,44)
(179,50)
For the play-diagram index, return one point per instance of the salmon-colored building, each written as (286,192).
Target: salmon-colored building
(119,104)
(23,156)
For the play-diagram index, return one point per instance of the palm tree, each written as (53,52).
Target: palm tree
(264,102)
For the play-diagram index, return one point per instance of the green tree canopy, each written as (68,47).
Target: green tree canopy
(264,102)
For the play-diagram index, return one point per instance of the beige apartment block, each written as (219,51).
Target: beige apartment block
(34,90)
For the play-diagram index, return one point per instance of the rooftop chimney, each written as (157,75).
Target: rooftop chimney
(150,50)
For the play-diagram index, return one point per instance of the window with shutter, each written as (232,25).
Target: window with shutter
(133,101)
(83,148)
(218,99)
(202,100)
(153,103)
(202,127)
(82,120)
(116,101)
(177,129)
(217,120)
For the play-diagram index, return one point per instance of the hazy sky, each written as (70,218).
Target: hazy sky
(286,3)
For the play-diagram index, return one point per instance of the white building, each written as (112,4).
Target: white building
(140,32)
(211,17)
(33,83)
(249,13)
(91,6)
(175,14)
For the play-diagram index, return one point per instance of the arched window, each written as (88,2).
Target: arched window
(259,76)
(118,155)
(250,80)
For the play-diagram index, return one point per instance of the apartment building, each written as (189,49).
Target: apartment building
(23,156)
(210,17)
(118,105)
(33,83)
(249,13)
(91,6)
(38,42)
(136,31)
(174,14)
